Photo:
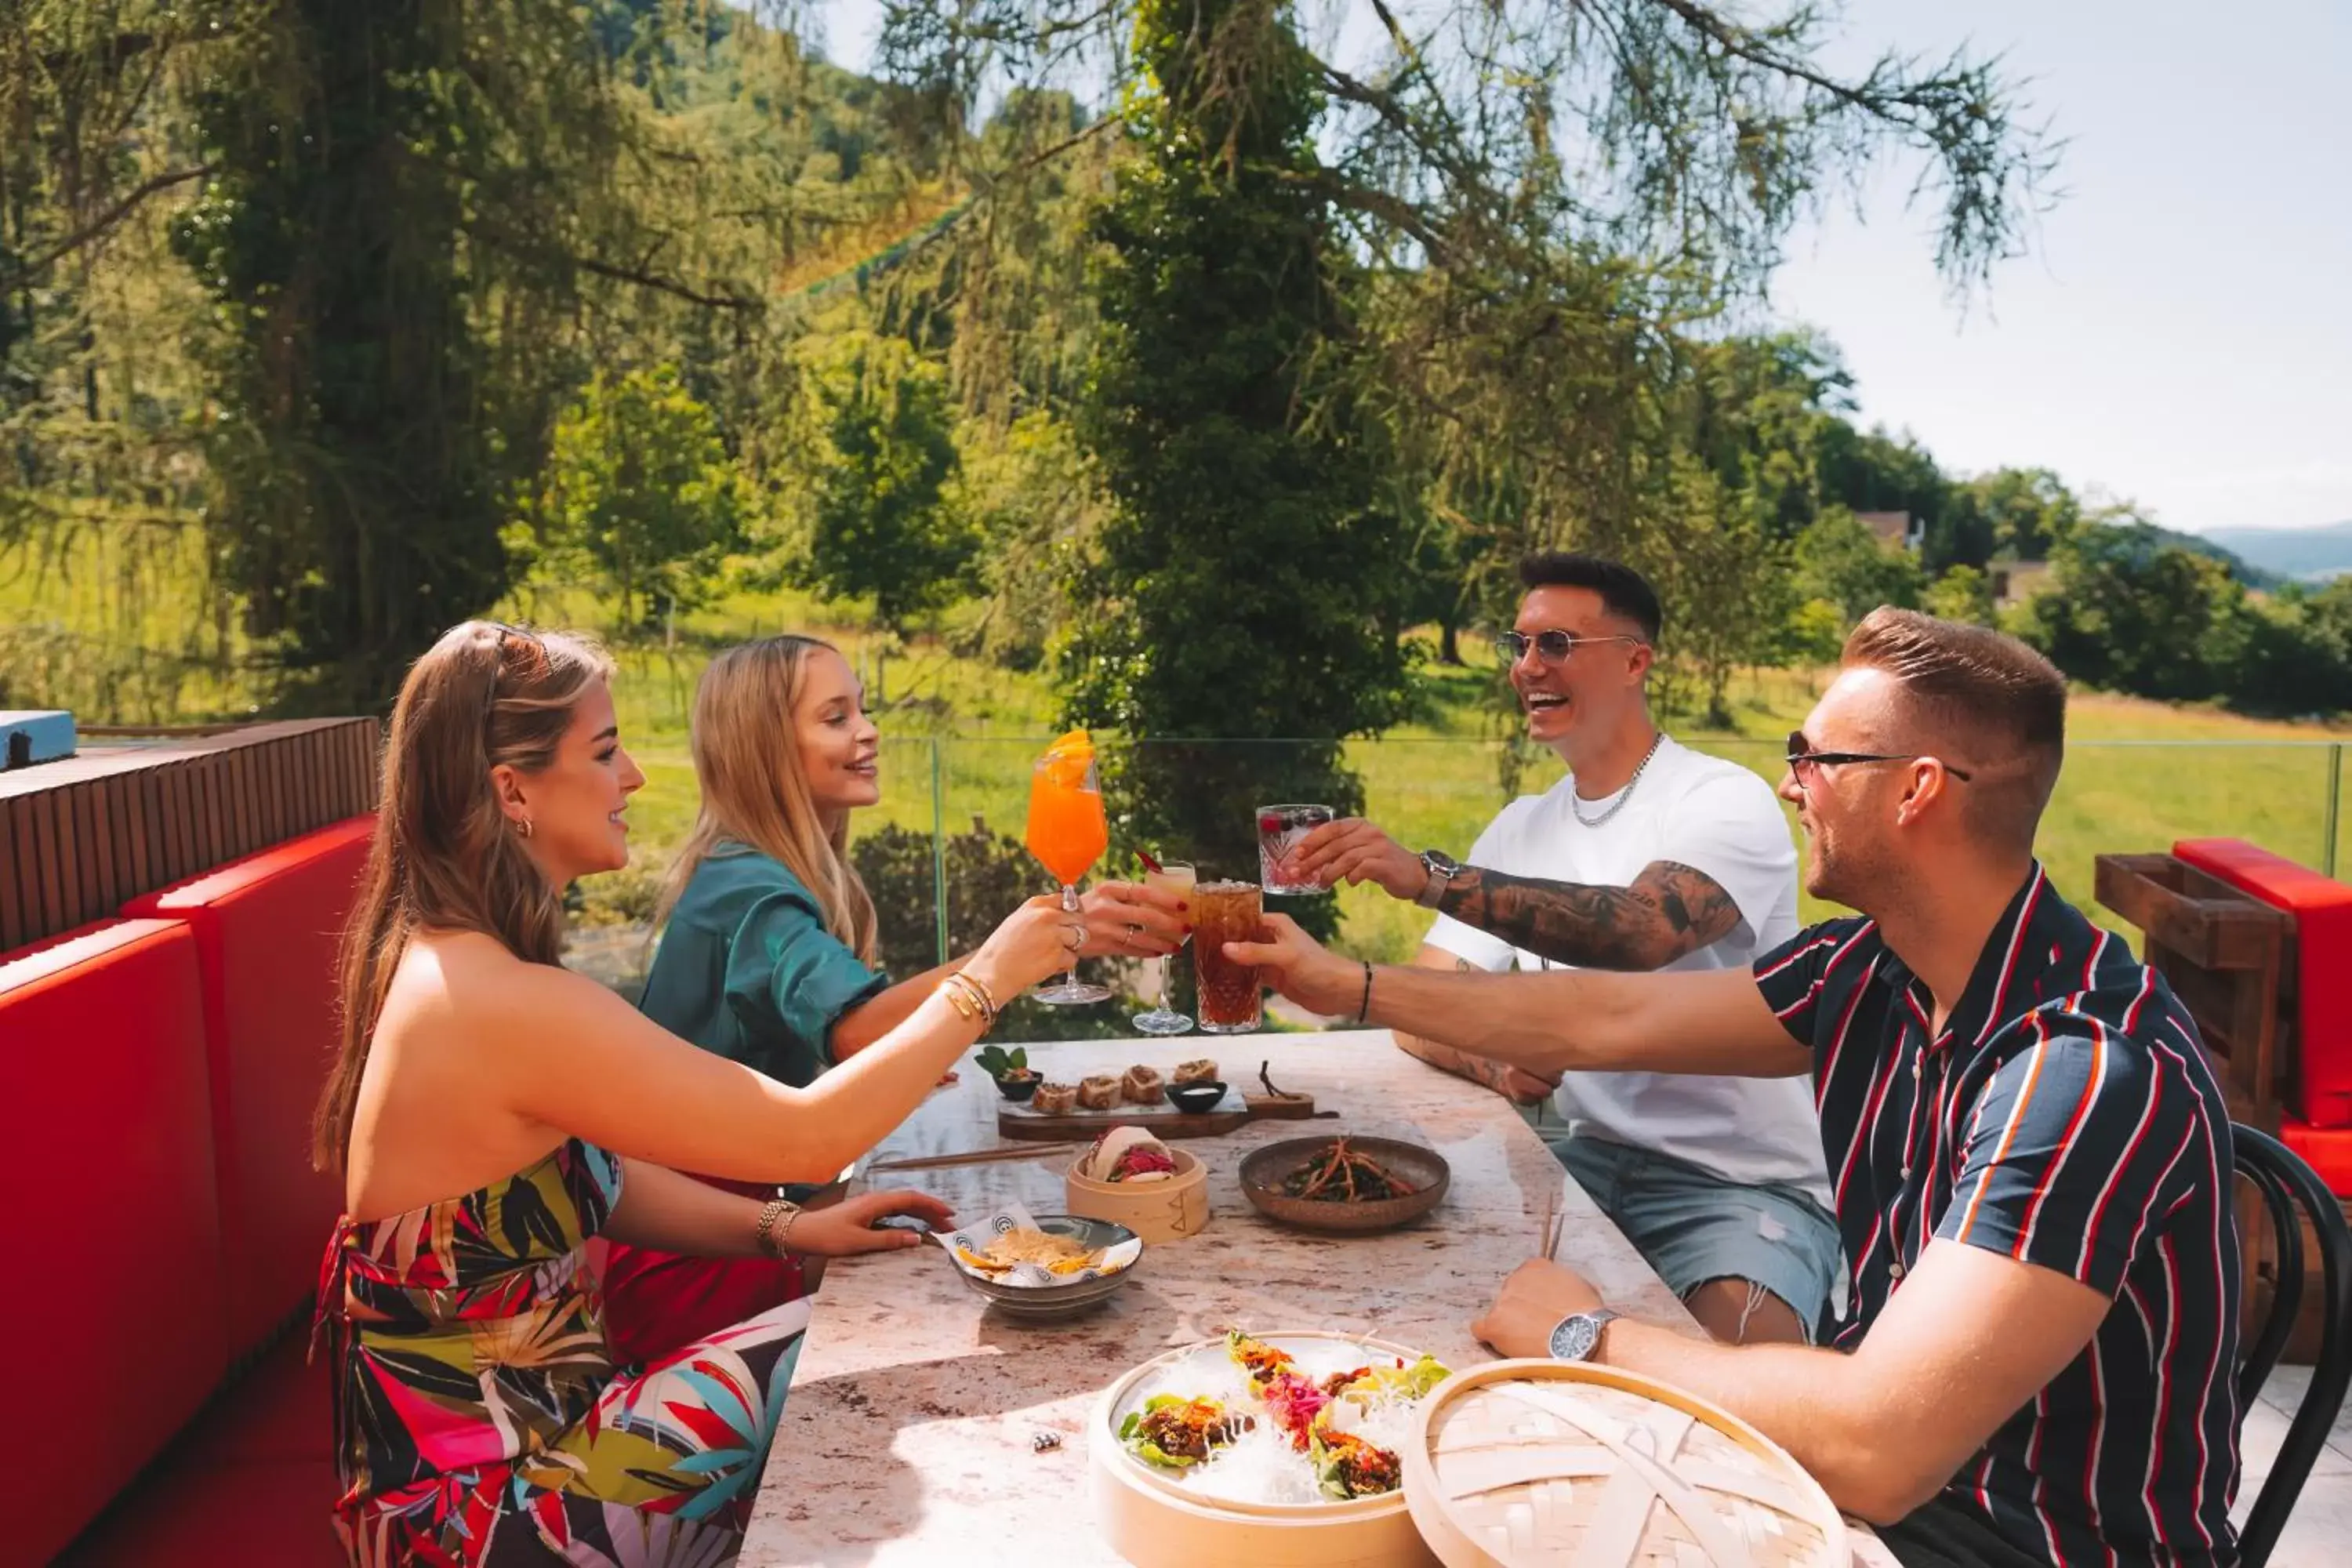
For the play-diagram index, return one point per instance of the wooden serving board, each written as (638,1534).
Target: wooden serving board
(1162,1121)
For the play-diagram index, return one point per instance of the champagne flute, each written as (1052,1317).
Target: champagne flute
(1175,877)
(1068,834)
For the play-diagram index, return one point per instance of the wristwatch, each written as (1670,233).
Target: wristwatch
(1578,1335)
(1441,869)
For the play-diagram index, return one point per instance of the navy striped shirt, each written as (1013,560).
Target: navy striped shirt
(2067,1116)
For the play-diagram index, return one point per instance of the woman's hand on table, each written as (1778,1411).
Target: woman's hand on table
(1300,968)
(1128,919)
(847,1227)
(1533,1300)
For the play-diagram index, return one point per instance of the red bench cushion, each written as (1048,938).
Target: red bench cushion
(266,930)
(2326,1150)
(2320,1089)
(110,1294)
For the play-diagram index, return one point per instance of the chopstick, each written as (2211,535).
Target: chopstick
(1549,1230)
(970,1157)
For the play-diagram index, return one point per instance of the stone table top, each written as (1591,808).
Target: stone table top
(908,1432)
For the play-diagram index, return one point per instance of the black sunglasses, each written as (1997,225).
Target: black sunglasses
(1802,760)
(1552,646)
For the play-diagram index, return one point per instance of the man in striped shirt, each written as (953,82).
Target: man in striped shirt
(2028,1149)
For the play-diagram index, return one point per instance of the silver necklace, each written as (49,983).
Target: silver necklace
(1623,795)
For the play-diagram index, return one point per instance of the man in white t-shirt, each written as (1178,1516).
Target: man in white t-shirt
(1648,856)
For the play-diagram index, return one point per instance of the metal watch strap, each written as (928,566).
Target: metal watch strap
(1440,870)
(1593,1323)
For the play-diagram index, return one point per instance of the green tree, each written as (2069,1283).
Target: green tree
(2028,511)
(1840,559)
(882,521)
(2133,615)
(639,487)
(1962,593)
(1239,586)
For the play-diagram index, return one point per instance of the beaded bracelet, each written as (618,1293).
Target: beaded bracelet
(1364,1008)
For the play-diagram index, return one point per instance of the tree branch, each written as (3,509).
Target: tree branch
(111,216)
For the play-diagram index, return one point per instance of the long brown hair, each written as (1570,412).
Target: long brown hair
(445,855)
(747,760)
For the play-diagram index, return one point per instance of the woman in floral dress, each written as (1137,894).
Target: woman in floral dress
(491,1112)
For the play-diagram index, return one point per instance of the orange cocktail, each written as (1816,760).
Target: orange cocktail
(1068,835)
(1066,830)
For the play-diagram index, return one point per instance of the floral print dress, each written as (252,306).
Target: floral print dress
(479,1419)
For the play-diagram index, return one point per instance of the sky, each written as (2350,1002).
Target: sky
(2180,333)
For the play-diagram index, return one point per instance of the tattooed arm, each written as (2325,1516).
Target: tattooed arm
(1670,911)
(1517,1085)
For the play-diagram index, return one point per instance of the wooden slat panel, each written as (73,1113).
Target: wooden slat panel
(81,836)
(13,923)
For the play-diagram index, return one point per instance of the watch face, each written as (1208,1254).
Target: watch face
(1574,1338)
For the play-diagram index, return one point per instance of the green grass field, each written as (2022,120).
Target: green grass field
(100,627)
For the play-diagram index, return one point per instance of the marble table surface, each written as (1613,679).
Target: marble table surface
(909,1434)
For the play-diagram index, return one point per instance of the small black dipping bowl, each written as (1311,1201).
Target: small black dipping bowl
(1020,1089)
(1196,1098)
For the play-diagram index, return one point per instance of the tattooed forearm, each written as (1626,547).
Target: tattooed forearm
(1670,911)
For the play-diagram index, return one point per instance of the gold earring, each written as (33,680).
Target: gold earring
(523,827)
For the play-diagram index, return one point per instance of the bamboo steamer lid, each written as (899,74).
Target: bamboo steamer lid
(1530,1464)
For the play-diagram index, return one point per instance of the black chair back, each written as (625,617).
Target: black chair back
(2291,1192)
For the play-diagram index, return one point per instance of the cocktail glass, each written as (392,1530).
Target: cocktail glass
(1175,877)
(1280,829)
(1068,834)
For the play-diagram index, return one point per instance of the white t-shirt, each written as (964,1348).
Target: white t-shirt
(1714,817)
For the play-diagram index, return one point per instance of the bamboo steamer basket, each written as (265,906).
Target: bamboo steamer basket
(1155,1522)
(1156,1211)
(1527,1463)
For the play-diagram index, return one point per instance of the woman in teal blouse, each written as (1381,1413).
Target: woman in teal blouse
(767,946)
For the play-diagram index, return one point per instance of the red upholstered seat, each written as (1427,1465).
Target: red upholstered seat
(112,1303)
(266,930)
(2326,1150)
(251,1482)
(2320,1089)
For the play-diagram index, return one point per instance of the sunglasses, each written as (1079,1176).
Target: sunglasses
(1552,647)
(1806,763)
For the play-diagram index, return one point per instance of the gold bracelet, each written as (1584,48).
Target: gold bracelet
(987,997)
(768,1232)
(971,999)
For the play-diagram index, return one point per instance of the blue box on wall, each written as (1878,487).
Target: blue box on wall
(26,738)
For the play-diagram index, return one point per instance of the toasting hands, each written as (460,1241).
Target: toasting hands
(1300,968)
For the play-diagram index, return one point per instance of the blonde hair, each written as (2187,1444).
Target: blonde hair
(747,760)
(445,855)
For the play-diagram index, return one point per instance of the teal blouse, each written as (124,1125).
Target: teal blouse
(747,969)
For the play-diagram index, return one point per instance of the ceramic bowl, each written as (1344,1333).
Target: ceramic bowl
(1019,1091)
(1263,1171)
(1045,1302)
(1197,1097)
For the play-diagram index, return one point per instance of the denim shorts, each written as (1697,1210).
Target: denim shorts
(1694,1225)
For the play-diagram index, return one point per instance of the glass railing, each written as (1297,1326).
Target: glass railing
(943,853)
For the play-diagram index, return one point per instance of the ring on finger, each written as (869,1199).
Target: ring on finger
(1074,936)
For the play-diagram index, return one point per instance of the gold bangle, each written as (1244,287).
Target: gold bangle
(962,988)
(987,997)
(768,1232)
(968,1002)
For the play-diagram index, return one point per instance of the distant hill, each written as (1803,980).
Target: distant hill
(2252,572)
(2291,552)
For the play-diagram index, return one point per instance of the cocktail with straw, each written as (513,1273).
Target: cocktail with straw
(1068,834)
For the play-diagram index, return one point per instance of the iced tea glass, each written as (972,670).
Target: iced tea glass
(1223,912)
(1280,829)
